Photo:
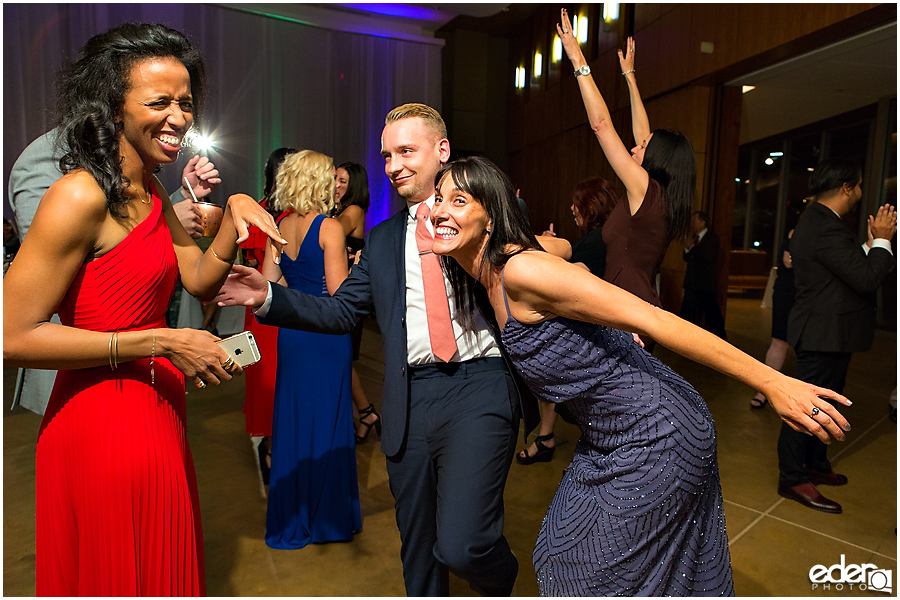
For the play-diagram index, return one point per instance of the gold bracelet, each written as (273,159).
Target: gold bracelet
(230,262)
(115,353)
(111,367)
(152,357)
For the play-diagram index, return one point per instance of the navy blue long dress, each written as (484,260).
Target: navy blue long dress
(639,511)
(313,490)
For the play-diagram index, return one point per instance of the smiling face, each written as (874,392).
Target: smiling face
(460,222)
(413,154)
(158,111)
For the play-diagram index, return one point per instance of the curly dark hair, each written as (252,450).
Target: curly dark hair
(92,93)
(357,189)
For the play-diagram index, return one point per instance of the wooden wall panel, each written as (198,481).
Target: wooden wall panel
(719,24)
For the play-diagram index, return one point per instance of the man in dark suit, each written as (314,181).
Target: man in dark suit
(700,304)
(450,417)
(834,313)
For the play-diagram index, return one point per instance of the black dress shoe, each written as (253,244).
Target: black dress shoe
(823,478)
(807,495)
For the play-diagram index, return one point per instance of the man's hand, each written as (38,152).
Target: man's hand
(189,215)
(883,224)
(244,287)
(203,176)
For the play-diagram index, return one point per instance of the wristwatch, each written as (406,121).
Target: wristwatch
(585,70)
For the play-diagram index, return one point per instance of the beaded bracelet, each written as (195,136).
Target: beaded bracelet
(152,357)
(627,72)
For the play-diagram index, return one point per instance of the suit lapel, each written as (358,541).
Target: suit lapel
(398,249)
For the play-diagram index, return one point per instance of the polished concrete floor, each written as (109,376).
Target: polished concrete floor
(774,542)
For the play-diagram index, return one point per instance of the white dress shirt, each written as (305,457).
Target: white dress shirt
(479,344)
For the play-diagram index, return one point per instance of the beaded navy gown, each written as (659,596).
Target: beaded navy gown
(639,511)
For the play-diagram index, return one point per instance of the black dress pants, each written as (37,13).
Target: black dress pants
(449,476)
(799,452)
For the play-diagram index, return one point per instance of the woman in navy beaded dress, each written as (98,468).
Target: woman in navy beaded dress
(639,510)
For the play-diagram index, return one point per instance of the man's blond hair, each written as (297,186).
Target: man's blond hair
(429,116)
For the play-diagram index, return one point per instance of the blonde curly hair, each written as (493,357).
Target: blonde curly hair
(305,182)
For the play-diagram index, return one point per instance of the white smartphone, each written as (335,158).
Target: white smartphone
(242,348)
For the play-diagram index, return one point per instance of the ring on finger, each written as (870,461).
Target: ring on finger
(200,384)
(815,411)
(228,364)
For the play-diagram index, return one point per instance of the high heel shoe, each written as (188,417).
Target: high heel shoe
(364,413)
(543,454)
(263,452)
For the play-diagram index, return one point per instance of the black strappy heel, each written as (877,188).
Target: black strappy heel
(543,454)
(367,412)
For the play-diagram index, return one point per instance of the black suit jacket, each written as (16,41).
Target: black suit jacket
(836,283)
(700,274)
(378,281)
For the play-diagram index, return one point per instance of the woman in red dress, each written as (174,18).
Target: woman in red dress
(259,392)
(116,495)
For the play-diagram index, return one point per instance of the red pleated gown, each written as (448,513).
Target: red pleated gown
(116,493)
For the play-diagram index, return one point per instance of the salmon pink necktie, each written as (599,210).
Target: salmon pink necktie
(437,307)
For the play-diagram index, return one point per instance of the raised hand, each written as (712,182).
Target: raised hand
(202,176)
(549,232)
(246,211)
(626,61)
(570,44)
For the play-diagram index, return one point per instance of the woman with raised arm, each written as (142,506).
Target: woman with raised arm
(116,495)
(659,175)
(639,510)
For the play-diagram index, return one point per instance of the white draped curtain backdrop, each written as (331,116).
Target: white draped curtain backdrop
(270,82)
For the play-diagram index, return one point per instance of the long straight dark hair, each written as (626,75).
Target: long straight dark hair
(509,234)
(669,160)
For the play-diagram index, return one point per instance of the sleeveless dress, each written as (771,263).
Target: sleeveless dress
(116,495)
(636,244)
(259,390)
(639,510)
(313,489)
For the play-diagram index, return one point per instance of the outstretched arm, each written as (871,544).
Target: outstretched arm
(632,174)
(540,286)
(640,124)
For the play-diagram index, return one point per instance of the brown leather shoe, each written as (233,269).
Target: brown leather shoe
(807,495)
(823,478)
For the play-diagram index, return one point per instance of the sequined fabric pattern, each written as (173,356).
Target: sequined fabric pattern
(639,511)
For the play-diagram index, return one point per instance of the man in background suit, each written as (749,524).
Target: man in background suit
(700,304)
(36,169)
(450,420)
(833,315)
